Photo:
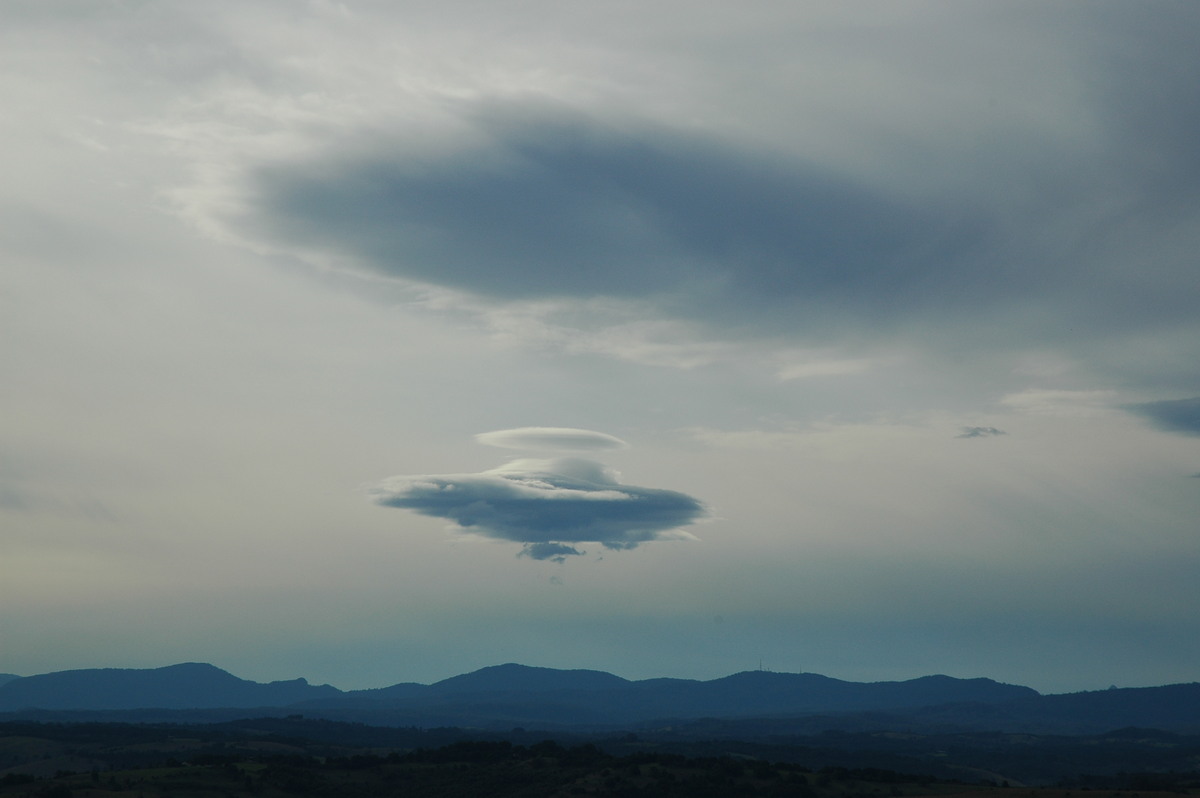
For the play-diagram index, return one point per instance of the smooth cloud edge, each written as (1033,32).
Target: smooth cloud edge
(565,439)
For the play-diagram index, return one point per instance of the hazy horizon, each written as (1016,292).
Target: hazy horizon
(382,342)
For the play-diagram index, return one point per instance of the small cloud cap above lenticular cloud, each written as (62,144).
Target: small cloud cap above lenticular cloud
(552,439)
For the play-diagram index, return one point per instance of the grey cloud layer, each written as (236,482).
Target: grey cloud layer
(555,203)
(559,204)
(546,504)
(888,219)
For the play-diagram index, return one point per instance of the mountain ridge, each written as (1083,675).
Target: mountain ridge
(186,685)
(513,676)
(511,695)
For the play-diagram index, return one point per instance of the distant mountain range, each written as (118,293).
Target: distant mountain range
(508,696)
(191,685)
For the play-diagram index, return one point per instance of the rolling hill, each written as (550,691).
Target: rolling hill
(512,695)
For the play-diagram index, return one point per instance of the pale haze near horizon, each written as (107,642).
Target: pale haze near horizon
(904,296)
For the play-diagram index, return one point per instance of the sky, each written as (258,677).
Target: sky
(372,342)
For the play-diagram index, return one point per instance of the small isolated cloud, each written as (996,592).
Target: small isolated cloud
(553,439)
(1173,415)
(548,505)
(980,432)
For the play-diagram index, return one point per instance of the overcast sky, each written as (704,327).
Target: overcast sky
(374,342)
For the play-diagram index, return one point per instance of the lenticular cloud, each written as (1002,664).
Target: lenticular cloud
(559,439)
(549,505)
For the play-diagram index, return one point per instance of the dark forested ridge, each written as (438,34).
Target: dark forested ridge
(755,703)
(312,757)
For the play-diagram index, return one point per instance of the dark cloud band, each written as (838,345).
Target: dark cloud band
(1173,415)
(550,203)
(558,204)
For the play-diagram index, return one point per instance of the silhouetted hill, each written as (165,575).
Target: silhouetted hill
(522,678)
(765,692)
(516,695)
(1175,706)
(8,677)
(393,693)
(756,703)
(190,685)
